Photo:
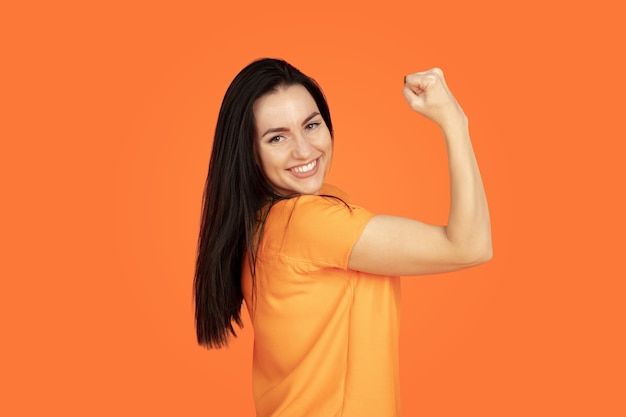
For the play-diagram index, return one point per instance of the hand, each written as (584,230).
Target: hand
(428,94)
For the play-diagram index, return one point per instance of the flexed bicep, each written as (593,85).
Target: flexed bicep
(399,246)
(391,245)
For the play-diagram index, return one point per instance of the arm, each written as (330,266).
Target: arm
(392,245)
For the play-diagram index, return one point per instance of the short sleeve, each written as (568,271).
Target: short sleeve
(320,230)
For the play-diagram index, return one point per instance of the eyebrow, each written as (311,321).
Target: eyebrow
(284,129)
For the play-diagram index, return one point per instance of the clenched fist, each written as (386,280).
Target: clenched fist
(428,94)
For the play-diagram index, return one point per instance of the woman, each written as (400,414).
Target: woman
(319,276)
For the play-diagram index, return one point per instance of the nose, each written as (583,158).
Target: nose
(302,149)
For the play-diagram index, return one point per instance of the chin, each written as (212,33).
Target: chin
(312,189)
(307,191)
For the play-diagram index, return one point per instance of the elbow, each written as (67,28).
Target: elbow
(480,250)
(485,255)
(472,248)
(477,255)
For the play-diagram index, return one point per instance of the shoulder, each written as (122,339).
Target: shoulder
(319,223)
(331,201)
(317,228)
(324,219)
(313,208)
(329,189)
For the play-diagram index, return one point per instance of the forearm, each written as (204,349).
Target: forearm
(468,229)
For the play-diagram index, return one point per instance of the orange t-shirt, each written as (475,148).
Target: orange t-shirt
(326,337)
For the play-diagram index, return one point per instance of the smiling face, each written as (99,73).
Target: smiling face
(293,142)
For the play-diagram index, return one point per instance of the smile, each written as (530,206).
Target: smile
(305,168)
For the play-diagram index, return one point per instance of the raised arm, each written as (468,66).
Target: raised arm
(392,245)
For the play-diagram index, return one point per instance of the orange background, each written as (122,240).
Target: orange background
(107,115)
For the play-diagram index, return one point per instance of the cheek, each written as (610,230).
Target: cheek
(328,143)
(268,162)
(322,139)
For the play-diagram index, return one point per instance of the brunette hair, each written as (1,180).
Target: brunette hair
(235,192)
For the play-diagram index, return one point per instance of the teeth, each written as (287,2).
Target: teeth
(305,168)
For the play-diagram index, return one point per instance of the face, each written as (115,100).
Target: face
(293,142)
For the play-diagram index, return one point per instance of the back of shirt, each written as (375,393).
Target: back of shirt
(326,337)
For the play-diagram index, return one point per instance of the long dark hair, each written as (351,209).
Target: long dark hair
(235,192)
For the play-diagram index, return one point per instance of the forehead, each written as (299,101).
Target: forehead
(288,104)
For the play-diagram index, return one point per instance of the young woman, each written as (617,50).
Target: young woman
(319,276)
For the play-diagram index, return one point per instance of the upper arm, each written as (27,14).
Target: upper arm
(391,245)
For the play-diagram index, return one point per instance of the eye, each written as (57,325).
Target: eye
(312,125)
(275,139)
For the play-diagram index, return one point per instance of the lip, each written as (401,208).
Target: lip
(306,174)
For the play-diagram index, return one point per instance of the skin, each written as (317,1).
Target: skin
(392,245)
(291,135)
(294,144)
